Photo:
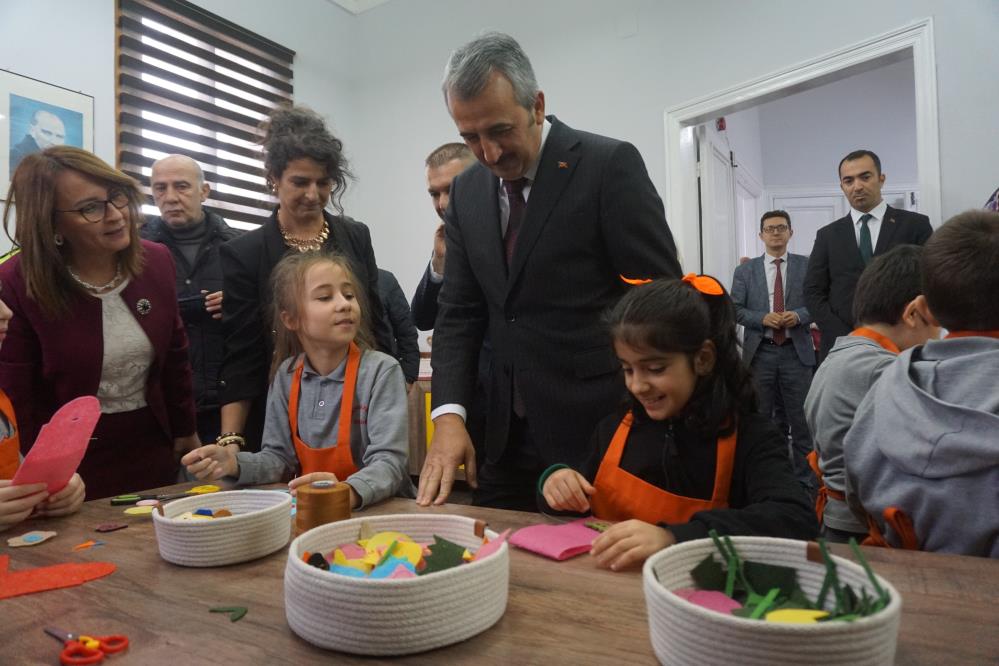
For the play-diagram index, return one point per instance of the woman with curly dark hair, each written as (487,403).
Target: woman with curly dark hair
(306,170)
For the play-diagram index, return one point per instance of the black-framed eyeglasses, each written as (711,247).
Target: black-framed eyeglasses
(776,229)
(95,211)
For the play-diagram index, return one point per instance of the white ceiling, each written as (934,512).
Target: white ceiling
(358,6)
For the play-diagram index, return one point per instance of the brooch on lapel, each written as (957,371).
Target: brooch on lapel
(563,165)
(143,306)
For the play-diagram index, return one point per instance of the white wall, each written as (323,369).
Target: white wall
(745,139)
(609,66)
(804,136)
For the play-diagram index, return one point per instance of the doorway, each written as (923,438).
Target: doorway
(696,171)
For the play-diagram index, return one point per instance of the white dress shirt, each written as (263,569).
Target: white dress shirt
(874,224)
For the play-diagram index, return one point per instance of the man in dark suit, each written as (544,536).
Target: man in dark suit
(769,297)
(845,246)
(443,166)
(539,234)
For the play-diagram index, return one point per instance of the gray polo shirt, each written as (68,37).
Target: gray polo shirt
(379,433)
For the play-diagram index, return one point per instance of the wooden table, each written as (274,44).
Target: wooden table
(558,612)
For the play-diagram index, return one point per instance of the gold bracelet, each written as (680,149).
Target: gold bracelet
(231,438)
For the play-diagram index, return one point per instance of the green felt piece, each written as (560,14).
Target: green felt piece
(237,612)
(769,576)
(745,611)
(443,555)
(883,595)
(388,553)
(764,604)
(733,569)
(709,575)
(598,525)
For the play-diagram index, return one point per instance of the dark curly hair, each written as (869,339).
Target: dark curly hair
(671,316)
(292,133)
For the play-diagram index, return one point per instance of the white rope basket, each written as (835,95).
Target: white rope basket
(260,525)
(394,616)
(683,633)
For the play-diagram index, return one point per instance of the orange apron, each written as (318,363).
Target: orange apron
(894,517)
(336,459)
(621,495)
(825,492)
(10,450)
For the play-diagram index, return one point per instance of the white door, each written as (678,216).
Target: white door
(809,213)
(718,237)
(748,208)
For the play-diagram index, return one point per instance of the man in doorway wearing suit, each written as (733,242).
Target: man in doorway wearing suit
(769,297)
(843,248)
(539,234)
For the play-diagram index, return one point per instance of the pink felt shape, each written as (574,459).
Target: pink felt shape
(488,549)
(710,599)
(352,551)
(559,542)
(60,445)
(402,572)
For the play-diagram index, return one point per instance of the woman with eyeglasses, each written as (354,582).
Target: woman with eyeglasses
(95,313)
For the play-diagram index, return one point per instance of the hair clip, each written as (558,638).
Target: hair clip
(704,284)
(634,282)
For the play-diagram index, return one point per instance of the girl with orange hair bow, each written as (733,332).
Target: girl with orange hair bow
(688,453)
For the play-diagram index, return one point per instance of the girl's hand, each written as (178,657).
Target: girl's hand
(17,502)
(211,462)
(355,499)
(629,544)
(568,490)
(66,501)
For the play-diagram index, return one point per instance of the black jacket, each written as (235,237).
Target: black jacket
(247,262)
(765,499)
(204,334)
(405,339)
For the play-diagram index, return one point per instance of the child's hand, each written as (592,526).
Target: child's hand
(66,501)
(629,543)
(355,499)
(17,502)
(568,490)
(211,462)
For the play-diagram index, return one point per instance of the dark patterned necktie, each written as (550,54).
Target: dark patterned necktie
(515,197)
(866,247)
(779,335)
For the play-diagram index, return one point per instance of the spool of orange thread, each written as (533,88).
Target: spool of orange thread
(321,502)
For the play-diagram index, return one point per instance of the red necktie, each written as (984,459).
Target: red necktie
(779,335)
(515,197)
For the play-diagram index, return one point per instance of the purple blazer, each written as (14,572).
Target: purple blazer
(45,362)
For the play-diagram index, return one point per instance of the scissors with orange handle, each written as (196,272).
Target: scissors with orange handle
(79,649)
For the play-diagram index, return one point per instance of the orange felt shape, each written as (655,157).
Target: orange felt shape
(42,579)
(60,445)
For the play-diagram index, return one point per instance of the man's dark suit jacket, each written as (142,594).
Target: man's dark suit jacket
(424,304)
(835,266)
(592,216)
(247,263)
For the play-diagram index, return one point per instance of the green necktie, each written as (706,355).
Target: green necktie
(866,248)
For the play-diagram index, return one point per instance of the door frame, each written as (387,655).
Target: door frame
(681,160)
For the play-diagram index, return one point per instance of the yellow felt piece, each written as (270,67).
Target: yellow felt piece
(382,540)
(411,552)
(795,616)
(139,510)
(467,556)
(341,559)
(202,490)
(371,557)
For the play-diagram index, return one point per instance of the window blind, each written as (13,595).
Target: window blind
(194,83)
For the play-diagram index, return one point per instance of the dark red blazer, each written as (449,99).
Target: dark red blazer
(46,362)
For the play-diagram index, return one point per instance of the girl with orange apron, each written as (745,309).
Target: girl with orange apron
(10,453)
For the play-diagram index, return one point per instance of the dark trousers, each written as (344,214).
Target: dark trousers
(511,482)
(129,452)
(779,371)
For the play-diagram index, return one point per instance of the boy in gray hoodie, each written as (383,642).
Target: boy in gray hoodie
(889,319)
(923,454)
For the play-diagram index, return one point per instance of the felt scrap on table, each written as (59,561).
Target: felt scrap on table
(30,539)
(138,511)
(86,545)
(443,555)
(111,527)
(237,612)
(490,547)
(60,445)
(558,542)
(54,577)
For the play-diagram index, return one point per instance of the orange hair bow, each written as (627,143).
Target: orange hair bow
(704,284)
(634,282)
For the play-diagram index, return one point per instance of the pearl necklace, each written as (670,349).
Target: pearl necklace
(306,245)
(93,287)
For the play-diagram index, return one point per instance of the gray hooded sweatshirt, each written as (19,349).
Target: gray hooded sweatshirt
(926,440)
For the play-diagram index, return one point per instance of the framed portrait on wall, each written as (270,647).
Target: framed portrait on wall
(35,115)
